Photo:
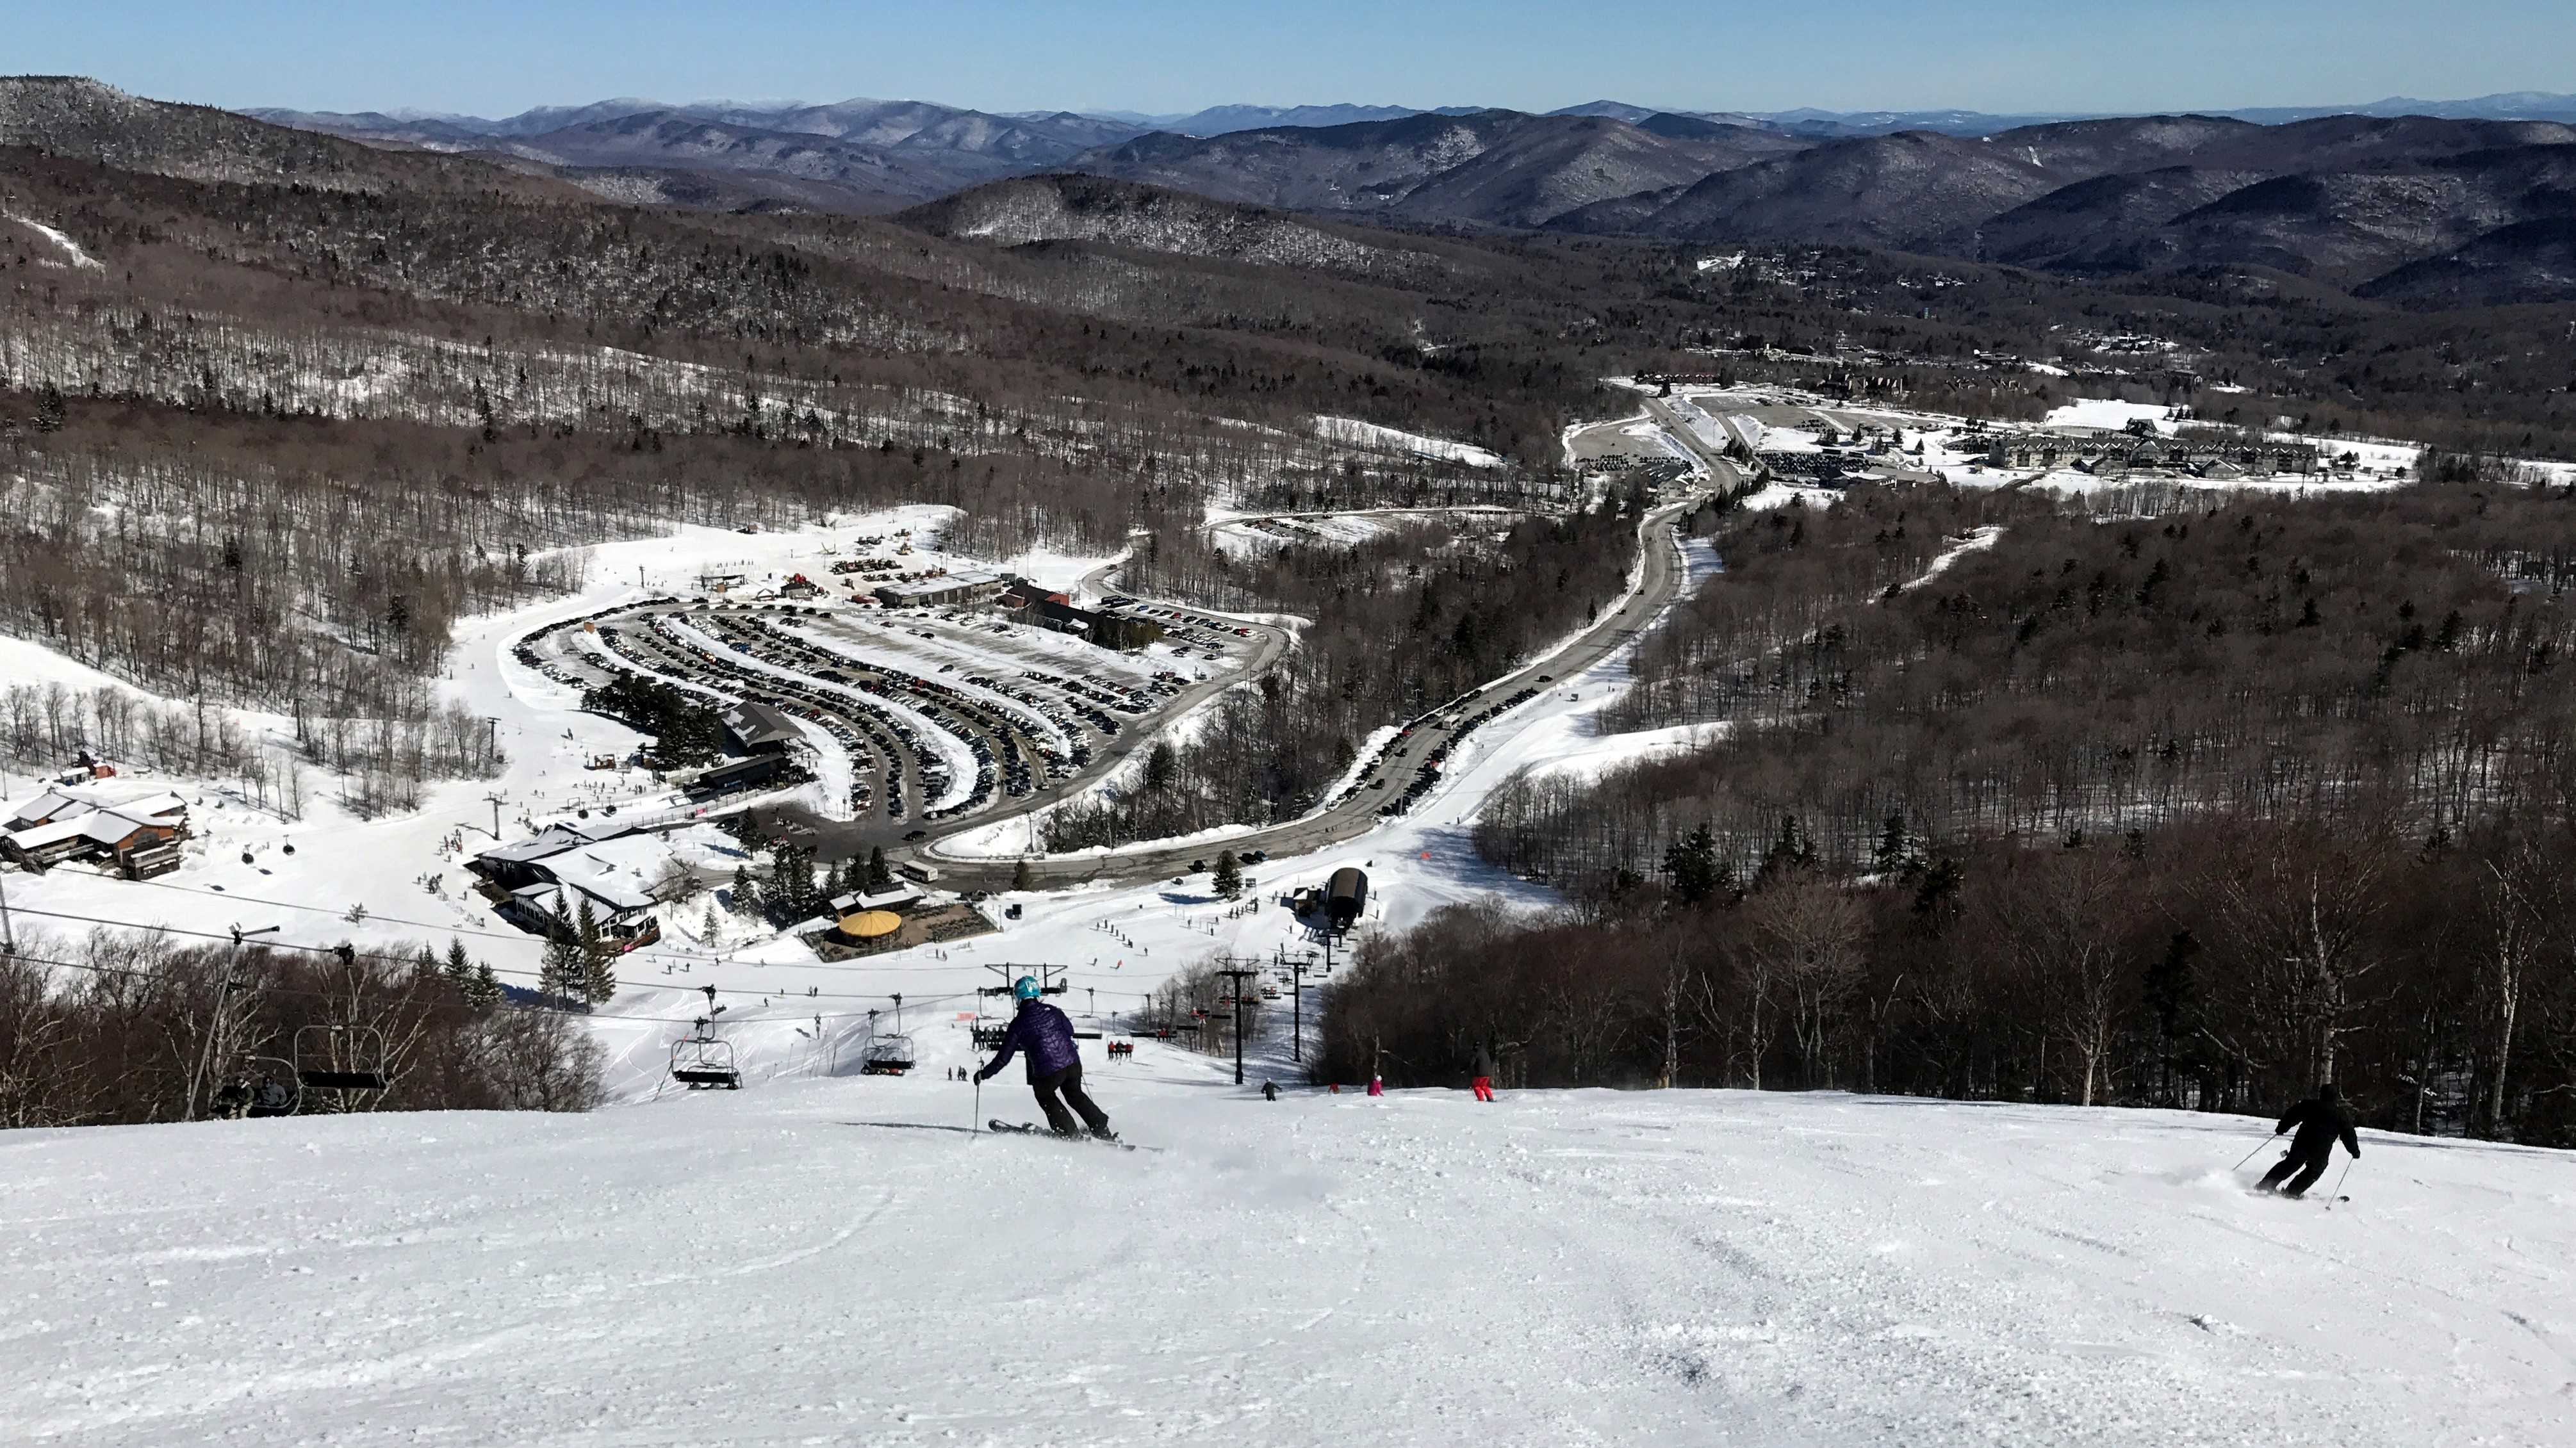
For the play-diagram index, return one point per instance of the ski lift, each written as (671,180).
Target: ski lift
(341,1058)
(701,1062)
(886,1056)
(269,1087)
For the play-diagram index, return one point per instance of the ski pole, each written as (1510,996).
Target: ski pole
(2257,1151)
(976,1122)
(2339,1181)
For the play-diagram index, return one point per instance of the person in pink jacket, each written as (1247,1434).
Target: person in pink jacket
(1377,1087)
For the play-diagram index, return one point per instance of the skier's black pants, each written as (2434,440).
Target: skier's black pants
(2308,1169)
(1068,1081)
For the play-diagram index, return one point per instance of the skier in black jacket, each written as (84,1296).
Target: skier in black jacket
(1055,1063)
(2319,1122)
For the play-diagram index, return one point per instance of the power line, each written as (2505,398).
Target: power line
(416,957)
(509,1005)
(342,913)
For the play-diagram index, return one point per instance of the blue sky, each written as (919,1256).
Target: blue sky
(1161,55)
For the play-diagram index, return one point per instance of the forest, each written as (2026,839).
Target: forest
(1396,625)
(2227,962)
(2189,809)
(109,1029)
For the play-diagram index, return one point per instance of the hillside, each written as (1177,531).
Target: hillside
(74,117)
(1501,168)
(2342,199)
(857,156)
(829,1260)
(1090,208)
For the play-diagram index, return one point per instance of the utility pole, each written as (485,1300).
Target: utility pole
(214,1028)
(1297,1037)
(1238,977)
(8,937)
(495,798)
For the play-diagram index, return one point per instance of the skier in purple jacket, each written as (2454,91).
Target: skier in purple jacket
(1055,1063)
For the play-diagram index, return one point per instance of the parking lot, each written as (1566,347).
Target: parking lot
(919,721)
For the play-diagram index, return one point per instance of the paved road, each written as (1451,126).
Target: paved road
(1722,472)
(1659,580)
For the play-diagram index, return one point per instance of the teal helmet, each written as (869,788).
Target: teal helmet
(1026,988)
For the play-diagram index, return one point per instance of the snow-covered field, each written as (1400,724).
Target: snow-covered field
(1351,432)
(2110,416)
(841,1261)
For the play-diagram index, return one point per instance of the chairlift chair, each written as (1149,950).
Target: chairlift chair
(341,1058)
(275,1092)
(887,1056)
(701,1062)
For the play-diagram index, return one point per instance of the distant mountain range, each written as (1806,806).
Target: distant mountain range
(2421,202)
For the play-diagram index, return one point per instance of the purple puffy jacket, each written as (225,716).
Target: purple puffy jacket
(1043,1032)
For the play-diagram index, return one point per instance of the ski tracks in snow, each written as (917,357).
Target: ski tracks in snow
(1629,1268)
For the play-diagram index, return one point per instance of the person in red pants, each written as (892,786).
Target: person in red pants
(1484,1082)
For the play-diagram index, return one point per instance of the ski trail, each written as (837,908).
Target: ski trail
(80,260)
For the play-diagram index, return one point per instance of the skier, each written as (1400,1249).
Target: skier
(1269,1090)
(2319,1121)
(271,1098)
(1055,1062)
(1484,1082)
(1377,1084)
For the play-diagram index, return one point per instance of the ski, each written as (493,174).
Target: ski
(1031,1128)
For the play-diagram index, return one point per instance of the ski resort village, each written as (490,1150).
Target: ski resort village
(759,774)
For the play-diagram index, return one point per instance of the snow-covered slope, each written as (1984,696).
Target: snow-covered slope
(838,1261)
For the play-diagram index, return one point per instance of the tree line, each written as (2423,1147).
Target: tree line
(2222,963)
(119,1028)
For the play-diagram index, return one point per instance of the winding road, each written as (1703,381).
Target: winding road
(1660,575)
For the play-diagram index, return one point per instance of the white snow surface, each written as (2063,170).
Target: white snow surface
(1976,540)
(71,250)
(839,1260)
(2110,416)
(1352,432)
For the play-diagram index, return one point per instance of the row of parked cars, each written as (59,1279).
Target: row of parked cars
(1427,773)
(866,736)
(774,647)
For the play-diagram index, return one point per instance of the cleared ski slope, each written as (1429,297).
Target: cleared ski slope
(837,1261)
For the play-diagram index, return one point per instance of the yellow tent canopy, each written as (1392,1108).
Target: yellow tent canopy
(869,924)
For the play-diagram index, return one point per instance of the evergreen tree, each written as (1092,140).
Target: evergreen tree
(459,970)
(2172,994)
(1229,874)
(879,876)
(791,882)
(1021,878)
(1939,889)
(1691,862)
(1895,850)
(559,972)
(1791,851)
(599,976)
(485,992)
(746,891)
